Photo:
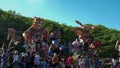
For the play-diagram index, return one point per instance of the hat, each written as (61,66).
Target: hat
(54,42)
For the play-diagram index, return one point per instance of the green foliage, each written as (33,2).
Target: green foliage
(12,19)
(108,51)
(108,38)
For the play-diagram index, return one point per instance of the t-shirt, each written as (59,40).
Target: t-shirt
(70,60)
(37,60)
(15,58)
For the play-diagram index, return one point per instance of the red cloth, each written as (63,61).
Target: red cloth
(70,60)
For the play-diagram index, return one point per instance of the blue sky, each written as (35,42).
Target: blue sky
(105,12)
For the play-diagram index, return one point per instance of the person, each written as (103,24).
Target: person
(117,64)
(97,62)
(15,58)
(3,59)
(32,59)
(70,61)
(22,63)
(81,62)
(9,61)
(92,62)
(28,60)
(55,60)
(87,61)
(37,60)
(44,63)
(113,63)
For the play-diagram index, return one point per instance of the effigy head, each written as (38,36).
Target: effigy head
(83,34)
(37,22)
(78,30)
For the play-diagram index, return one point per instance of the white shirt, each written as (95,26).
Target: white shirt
(15,57)
(113,62)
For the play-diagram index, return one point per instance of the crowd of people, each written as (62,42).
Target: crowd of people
(36,60)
